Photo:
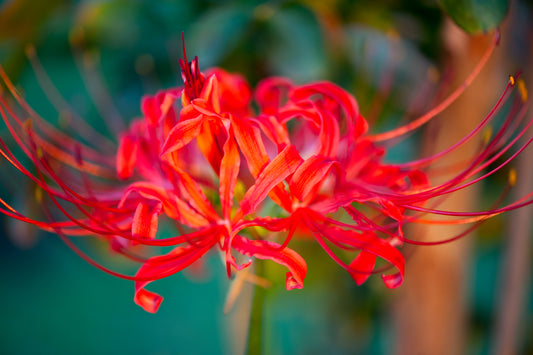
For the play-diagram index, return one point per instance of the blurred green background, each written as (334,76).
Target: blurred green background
(52,302)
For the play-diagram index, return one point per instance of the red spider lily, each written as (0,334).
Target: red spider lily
(195,149)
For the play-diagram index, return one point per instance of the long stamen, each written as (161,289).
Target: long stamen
(92,78)
(425,161)
(444,104)
(59,138)
(61,104)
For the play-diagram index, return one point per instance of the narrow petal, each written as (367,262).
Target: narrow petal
(197,197)
(251,144)
(151,109)
(210,92)
(274,130)
(182,134)
(211,134)
(329,135)
(126,156)
(229,170)
(274,173)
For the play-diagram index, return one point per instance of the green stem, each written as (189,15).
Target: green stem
(255,331)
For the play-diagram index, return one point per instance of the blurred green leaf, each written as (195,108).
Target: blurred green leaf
(216,33)
(392,68)
(475,16)
(117,22)
(296,49)
(22,19)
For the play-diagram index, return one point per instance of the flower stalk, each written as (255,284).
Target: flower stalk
(255,330)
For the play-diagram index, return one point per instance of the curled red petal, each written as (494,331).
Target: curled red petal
(271,92)
(149,301)
(357,125)
(263,249)
(233,92)
(173,206)
(162,266)
(366,241)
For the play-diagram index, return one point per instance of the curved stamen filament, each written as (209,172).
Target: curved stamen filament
(444,104)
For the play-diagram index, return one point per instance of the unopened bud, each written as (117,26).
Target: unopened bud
(30,51)
(522,89)
(28,125)
(487,135)
(512,177)
(76,36)
(38,194)
(433,74)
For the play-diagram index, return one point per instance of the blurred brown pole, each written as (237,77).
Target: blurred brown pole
(430,310)
(514,278)
(508,334)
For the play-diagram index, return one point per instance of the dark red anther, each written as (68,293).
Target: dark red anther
(193,80)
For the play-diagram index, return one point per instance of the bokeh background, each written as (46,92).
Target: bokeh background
(397,57)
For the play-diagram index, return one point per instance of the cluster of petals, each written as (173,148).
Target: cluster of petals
(244,171)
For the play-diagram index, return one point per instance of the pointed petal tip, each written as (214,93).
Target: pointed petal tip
(149,301)
(293,283)
(393,281)
(361,267)
(360,277)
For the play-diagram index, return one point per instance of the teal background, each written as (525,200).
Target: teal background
(52,302)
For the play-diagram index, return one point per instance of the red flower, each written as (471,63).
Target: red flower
(203,158)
